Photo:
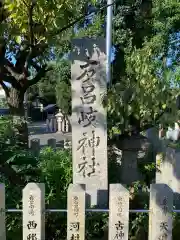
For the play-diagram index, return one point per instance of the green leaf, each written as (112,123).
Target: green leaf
(164,106)
(18,39)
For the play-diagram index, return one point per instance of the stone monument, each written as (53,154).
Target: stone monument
(89,124)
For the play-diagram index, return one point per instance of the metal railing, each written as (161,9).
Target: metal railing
(86,210)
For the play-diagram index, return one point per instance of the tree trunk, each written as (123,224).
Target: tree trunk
(15,101)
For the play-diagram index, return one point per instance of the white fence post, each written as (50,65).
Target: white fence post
(118,212)
(160,215)
(76,212)
(34,211)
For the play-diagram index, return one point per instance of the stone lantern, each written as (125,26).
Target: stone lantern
(59,117)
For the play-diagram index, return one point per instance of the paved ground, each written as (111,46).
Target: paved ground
(38,130)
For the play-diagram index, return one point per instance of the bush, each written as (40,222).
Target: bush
(56,173)
(5,128)
(55,170)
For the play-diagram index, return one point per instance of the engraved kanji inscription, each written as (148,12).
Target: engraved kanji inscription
(32,236)
(32,225)
(74,226)
(88,117)
(88,142)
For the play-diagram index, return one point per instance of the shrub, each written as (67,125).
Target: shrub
(55,170)
(56,173)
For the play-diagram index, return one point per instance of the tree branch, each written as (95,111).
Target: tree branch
(14,74)
(40,46)
(25,3)
(41,73)
(6,78)
(28,58)
(35,65)
(5,88)
(151,125)
(24,56)
(52,33)
(12,70)
(3,12)
(2,50)
(30,25)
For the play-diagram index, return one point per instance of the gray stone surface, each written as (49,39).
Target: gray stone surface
(76,212)
(168,171)
(33,211)
(35,146)
(153,136)
(135,150)
(89,125)
(160,215)
(60,137)
(2,213)
(118,212)
(52,142)
(37,128)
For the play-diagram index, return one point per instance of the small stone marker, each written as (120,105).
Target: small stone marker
(160,215)
(76,212)
(52,143)
(2,213)
(35,146)
(33,211)
(118,212)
